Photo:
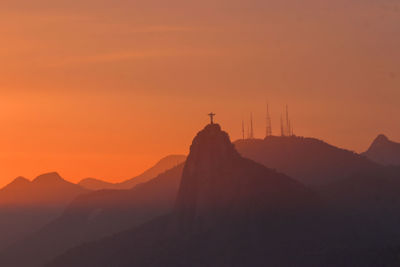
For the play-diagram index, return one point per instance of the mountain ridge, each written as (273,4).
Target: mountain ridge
(95,215)
(25,205)
(384,151)
(96,184)
(220,193)
(308,160)
(46,189)
(159,167)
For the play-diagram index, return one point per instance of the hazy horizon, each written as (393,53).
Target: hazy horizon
(122,179)
(104,89)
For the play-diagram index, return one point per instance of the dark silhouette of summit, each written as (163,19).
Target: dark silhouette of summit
(218,183)
(309,160)
(228,210)
(226,207)
(384,151)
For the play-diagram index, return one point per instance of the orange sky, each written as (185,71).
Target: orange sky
(106,88)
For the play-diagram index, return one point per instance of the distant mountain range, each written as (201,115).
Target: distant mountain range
(161,166)
(46,190)
(309,160)
(95,215)
(96,184)
(218,207)
(220,193)
(231,211)
(384,151)
(26,206)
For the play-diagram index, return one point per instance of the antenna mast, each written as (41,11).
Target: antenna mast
(242,129)
(269,126)
(251,126)
(287,122)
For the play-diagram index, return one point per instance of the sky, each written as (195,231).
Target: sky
(106,88)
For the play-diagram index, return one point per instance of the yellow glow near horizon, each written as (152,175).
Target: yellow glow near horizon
(105,89)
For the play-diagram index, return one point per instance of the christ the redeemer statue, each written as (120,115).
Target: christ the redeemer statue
(212,117)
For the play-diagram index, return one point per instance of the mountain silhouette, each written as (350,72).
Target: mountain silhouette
(384,151)
(95,215)
(309,160)
(227,207)
(221,209)
(96,184)
(218,182)
(45,190)
(25,205)
(15,191)
(161,166)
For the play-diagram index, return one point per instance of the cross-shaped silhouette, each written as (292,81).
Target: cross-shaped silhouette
(212,117)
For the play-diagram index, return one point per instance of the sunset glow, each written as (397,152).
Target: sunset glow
(106,88)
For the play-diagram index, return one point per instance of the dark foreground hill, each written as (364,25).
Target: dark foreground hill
(311,161)
(229,211)
(384,151)
(374,195)
(96,215)
(25,205)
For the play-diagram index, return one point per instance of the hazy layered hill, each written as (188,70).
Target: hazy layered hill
(46,190)
(15,192)
(384,151)
(96,184)
(373,192)
(371,200)
(95,215)
(25,205)
(161,166)
(309,160)
(223,202)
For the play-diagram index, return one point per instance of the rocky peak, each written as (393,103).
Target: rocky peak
(21,180)
(218,184)
(17,184)
(381,139)
(48,178)
(210,147)
(384,151)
